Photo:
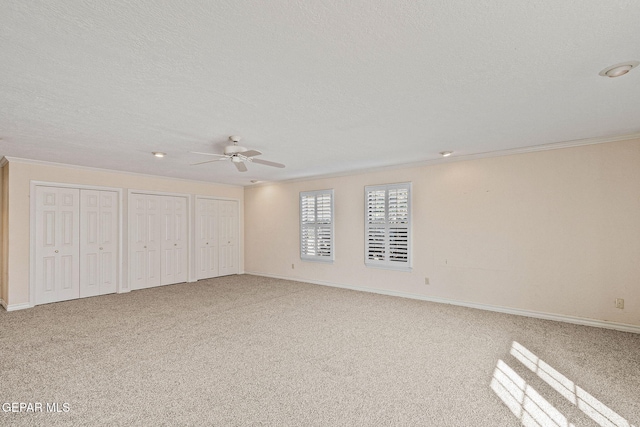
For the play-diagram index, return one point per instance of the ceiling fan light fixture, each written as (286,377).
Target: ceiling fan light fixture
(159,154)
(618,70)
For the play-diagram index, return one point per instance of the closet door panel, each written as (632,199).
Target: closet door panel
(68,244)
(206,240)
(181,239)
(47,279)
(153,242)
(138,241)
(89,225)
(99,242)
(168,249)
(228,237)
(57,244)
(108,240)
(174,240)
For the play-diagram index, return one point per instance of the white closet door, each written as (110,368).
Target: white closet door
(206,241)
(57,244)
(137,241)
(154,241)
(144,241)
(228,237)
(174,261)
(98,242)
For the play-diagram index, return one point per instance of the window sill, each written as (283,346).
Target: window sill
(407,269)
(318,260)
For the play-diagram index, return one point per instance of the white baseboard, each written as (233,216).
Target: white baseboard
(624,327)
(14,307)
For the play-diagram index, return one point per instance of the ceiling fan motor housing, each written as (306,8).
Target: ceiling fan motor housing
(234,149)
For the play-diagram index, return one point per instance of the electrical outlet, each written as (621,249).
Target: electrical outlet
(426,280)
(620,303)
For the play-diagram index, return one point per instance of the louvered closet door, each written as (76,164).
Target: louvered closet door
(98,242)
(57,244)
(174,261)
(228,237)
(206,241)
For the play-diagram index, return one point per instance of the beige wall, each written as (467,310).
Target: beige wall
(4,218)
(22,173)
(553,231)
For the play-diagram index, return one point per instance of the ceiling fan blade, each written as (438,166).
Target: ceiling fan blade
(208,154)
(240,166)
(250,153)
(268,163)
(208,161)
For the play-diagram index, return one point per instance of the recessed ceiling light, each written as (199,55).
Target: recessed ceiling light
(446,153)
(159,154)
(619,69)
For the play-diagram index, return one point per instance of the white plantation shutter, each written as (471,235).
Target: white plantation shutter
(316,225)
(376,225)
(307,221)
(398,222)
(388,226)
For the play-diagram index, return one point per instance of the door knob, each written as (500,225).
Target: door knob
(175,244)
(56,251)
(100,248)
(207,243)
(145,247)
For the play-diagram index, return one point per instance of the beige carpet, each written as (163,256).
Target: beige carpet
(246,350)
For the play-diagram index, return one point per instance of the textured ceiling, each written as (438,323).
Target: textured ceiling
(323,86)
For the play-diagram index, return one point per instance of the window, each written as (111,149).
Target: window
(316,225)
(388,226)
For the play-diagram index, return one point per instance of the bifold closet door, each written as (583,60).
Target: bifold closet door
(158,240)
(206,240)
(227,237)
(57,243)
(98,242)
(174,240)
(144,241)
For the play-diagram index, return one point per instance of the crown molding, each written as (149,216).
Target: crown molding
(9,159)
(462,158)
(551,146)
(440,160)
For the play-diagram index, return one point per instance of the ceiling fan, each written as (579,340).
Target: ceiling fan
(238,156)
